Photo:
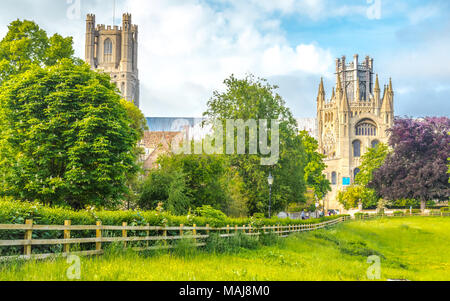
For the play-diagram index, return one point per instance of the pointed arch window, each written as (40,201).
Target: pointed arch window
(355,173)
(366,127)
(375,143)
(108,50)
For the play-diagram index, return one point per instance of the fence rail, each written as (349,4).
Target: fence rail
(182,232)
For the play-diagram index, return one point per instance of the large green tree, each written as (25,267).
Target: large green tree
(26,45)
(65,138)
(315,166)
(254,99)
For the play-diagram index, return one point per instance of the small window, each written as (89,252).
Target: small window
(356,172)
(334,178)
(356,148)
(375,143)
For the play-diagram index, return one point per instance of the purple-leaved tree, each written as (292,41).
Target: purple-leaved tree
(417,168)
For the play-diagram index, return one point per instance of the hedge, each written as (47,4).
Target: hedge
(16,212)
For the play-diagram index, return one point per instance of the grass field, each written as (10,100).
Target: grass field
(413,248)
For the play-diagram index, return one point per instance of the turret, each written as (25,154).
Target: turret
(90,40)
(127,42)
(355,78)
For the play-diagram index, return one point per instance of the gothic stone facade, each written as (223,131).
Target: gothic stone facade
(115,51)
(354,119)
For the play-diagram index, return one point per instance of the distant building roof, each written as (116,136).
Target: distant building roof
(171,124)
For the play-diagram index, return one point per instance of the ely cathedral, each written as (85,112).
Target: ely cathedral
(354,119)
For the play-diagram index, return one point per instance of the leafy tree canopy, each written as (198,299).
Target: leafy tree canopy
(64,137)
(26,44)
(255,99)
(315,166)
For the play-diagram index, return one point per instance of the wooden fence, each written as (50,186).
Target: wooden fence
(406,214)
(164,234)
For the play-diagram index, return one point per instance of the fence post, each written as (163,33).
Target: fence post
(98,234)
(181,229)
(250,229)
(235,229)
(28,236)
(124,234)
(207,229)
(67,236)
(165,235)
(228,229)
(194,232)
(148,235)
(244,229)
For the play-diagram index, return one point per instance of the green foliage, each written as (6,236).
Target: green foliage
(372,160)
(138,120)
(255,99)
(167,188)
(209,212)
(65,138)
(315,166)
(355,194)
(445,209)
(26,45)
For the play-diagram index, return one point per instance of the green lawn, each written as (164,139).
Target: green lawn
(413,248)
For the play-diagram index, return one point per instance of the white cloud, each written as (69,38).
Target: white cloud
(187,49)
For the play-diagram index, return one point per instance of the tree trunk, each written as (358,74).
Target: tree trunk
(423,205)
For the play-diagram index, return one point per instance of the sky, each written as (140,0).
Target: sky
(188,47)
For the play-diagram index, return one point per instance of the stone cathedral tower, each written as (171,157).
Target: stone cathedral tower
(115,51)
(354,119)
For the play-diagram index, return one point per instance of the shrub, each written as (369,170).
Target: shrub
(445,209)
(399,213)
(16,212)
(360,215)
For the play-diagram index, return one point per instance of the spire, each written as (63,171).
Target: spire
(321,88)
(321,95)
(390,84)
(333,94)
(343,101)
(377,85)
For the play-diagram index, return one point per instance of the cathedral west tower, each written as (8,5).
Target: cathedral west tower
(354,119)
(114,50)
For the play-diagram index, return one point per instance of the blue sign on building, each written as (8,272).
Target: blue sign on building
(345,181)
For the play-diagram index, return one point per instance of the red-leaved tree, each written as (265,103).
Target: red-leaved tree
(417,168)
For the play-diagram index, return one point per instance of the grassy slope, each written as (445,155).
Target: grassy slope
(411,248)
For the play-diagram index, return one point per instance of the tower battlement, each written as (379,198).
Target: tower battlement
(114,49)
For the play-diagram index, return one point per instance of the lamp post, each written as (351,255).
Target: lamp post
(270,181)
